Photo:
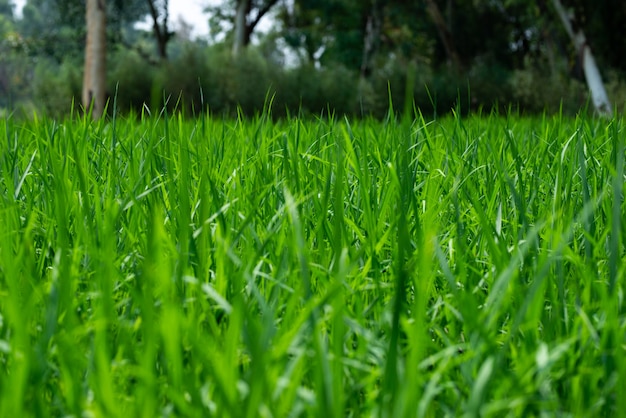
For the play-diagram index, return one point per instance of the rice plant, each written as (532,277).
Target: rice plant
(158,266)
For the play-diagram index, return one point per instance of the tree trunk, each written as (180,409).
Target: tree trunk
(240,26)
(592,73)
(161,31)
(245,23)
(371,39)
(444,34)
(94,81)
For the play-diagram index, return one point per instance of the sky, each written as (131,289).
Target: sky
(189,10)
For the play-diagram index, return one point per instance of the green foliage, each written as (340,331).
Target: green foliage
(131,78)
(192,78)
(213,79)
(438,90)
(245,80)
(197,77)
(344,55)
(6,26)
(53,30)
(56,28)
(57,88)
(215,267)
(6,9)
(599,21)
(15,73)
(537,90)
(616,88)
(314,90)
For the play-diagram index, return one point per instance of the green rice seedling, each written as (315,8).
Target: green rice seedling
(251,267)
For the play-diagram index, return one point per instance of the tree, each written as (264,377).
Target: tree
(346,32)
(53,29)
(6,8)
(371,38)
(360,35)
(245,16)
(8,43)
(160,18)
(444,34)
(94,82)
(6,18)
(592,73)
(249,14)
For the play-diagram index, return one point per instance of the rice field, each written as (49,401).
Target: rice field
(159,266)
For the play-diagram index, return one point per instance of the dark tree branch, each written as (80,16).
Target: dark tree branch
(444,34)
(371,38)
(262,12)
(161,33)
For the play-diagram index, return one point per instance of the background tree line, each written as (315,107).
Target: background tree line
(344,55)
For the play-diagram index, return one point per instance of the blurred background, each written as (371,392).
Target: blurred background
(312,56)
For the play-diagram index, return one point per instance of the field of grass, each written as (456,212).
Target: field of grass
(335,268)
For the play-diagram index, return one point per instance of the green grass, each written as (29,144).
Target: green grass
(245,268)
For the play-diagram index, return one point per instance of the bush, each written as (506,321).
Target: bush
(488,84)
(16,71)
(314,91)
(339,89)
(57,87)
(616,89)
(245,80)
(431,90)
(536,88)
(131,78)
(189,81)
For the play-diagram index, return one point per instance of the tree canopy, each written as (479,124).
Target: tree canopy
(502,51)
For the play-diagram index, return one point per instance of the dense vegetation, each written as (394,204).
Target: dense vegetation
(407,267)
(342,54)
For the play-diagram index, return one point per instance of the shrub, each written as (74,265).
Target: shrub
(339,86)
(616,89)
(57,87)
(131,77)
(488,84)
(190,81)
(537,88)
(316,90)
(245,80)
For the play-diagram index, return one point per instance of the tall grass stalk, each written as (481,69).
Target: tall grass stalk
(158,266)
